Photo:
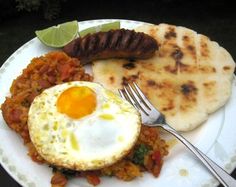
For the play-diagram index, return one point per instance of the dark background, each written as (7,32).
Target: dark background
(214,18)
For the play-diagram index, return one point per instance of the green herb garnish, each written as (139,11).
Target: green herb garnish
(139,154)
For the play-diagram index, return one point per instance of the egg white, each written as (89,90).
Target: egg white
(91,142)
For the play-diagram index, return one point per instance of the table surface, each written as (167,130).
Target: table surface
(216,19)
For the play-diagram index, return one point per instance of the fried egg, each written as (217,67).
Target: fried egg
(82,126)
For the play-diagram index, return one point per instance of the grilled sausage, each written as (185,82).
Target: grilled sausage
(112,44)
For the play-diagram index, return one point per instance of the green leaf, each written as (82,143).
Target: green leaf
(139,154)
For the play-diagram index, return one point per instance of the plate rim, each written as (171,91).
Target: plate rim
(8,61)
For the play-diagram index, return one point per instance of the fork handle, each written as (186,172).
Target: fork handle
(223,177)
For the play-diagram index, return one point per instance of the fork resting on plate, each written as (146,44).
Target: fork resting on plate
(152,117)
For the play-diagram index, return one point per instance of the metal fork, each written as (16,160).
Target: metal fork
(152,117)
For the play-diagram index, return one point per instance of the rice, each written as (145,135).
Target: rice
(55,68)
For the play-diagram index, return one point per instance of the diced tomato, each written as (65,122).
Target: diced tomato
(51,72)
(31,97)
(15,115)
(156,170)
(148,162)
(52,79)
(44,83)
(156,156)
(58,179)
(93,179)
(44,68)
(65,70)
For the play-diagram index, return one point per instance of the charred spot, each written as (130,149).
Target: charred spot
(130,79)
(185,38)
(170,105)
(124,81)
(164,85)
(188,68)
(209,84)
(167,108)
(213,69)
(132,60)
(148,66)
(151,82)
(129,65)
(189,88)
(177,54)
(204,45)
(183,67)
(204,49)
(190,48)
(189,96)
(170,34)
(226,68)
(207,69)
(171,69)
(112,79)
(153,32)
(192,51)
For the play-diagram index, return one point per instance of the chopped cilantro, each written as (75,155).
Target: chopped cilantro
(139,154)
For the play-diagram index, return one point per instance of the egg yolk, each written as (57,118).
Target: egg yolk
(77,102)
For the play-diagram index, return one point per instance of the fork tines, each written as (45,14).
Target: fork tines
(136,97)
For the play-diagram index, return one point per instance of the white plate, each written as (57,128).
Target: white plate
(216,137)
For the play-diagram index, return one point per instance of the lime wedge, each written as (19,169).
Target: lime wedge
(58,36)
(103,27)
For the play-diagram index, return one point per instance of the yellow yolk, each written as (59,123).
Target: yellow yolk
(77,102)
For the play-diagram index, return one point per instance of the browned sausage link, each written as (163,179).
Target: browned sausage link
(112,44)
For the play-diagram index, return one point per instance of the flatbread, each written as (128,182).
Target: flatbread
(189,77)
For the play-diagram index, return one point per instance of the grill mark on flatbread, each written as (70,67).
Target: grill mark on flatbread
(149,66)
(189,62)
(209,88)
(151,83)
(188,88)
(129,65)
(171,69)
(187,68)
(166,49)
(225,57)
(205,50)
(177,54)
(153,32)
(204,47)
(209,84)
(207,69)
(182,80)
(226,68)
(170,33)
(189,45)
(112,79)
(129,79)
(171,51)
(192,50)
(186,38)
(189,96)
(165,93)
